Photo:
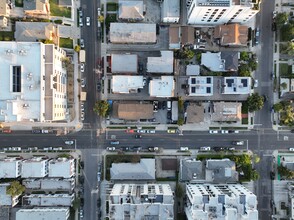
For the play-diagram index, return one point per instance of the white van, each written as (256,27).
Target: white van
(168,105)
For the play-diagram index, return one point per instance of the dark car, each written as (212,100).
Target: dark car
(98,203)
(265,98)
(98,87)
(272,175)
(138,136)
(274,26)
(169,116)
(82,201)
(163,105)
(218,148)
(82,164)
(125,149)
(136,148)
(141,67)
(37,131)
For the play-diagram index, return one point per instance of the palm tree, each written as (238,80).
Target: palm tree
(15,189)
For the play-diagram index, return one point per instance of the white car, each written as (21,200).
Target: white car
(81,22)
(98,11)
(82,67)
(82,43)
(291,149)
(110,148)
(184,149)
(255,83)
(83,83)
(238,143)
(69,142)
(213,131)
(205,148)
(224,131)
(88,21)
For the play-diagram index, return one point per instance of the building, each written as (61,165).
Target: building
(226,112)
(141,201)
(130,10)
(3,21)
(214,12)
(233,35)
(187,35)
(124,63)
(226,61)
(162,64)
(163,86)
(32,90)
(126,84)
(132,33)
(192,70)
(10,167)
(61,167)
(35,31)
(43,213)
(200,85)
(220,201)
(48,200)
(145,170)
(5,199)
(50,184)
(170,11)
(191,170)
(236,85)
(174,37)
(36,167)
(36,7)
(133,111)
(4,8)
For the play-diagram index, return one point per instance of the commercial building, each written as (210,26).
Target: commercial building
(50,184)
(162,64)
(43,213)
(220,201)
(10,167)
(126,84)
(163,86)
(48,200)
(36,167)
(124,63)
(200,86)
(213,12)
(236,85)
(5,199)
(132,33)
(33,82)
(145,170)
(226,112)
(170,11)
(141,201)
(61,167)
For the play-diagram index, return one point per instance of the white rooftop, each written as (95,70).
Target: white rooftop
(213,61)
(124,63)
(162,64)
(34,167)
(162,87)
(200,86)
(126,84)
(132,33)
(49,184)
(43,213)
(10,167)
(5,200)
(236,85)
(61,167)
(26,55)
(170,10)
(192,70)
(48,200)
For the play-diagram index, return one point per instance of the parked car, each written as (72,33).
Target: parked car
(88,21)
(168,104)
(83,83)
(36,131)
(163,105)
(110,148)
(155,106)
(114,142)
(45,131)
(125,149)
(231,148)
(144,81)
(169,115)
(98,87)
(205,148)
(255,83)
(152,149)
(82,67)
(239,143)
(82,107)
(140,67)
(82,43)
(218,148)
(257,35)
(81,22)
(224,131)
(171,131)
(69,142)
(213,131)
(57,148)
(136,148)
(184,148)
(291,149)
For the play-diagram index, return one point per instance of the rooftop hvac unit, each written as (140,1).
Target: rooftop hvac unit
(22,52)
(31,87)
(25,105)
(9,51)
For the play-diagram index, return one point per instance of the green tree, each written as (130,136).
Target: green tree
(289,49)
(77,48)
(283,171)
(244,56)
(101,18)
(287,32)
(278,107)
(287,115)
(255,102)
(189,54)
(47,41)
(180,121)
(256,158)
(283,85)
(252,64)
(15,189)
(101,108)
(244,70)
(281,19)
(254,175)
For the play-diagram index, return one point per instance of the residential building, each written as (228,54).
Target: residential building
(231,60)
(50,184)
(4,8)
(233,35)
(236,85)
(286,85)
(10,167)
(187,35)
(174,37)
(163,86)
(130,10)
(5,199)
(132,33)
(36,167)
(200,85)
(32,90)
(48,200)
(191,170)
(220,201)
(36,7)
(133,111)
(61,167)
(226,112)
(43,213)
(162,64)
(124,63)
(170,11)
(126,84)
(192,70)
(3,21)
(226,61)
(195,113)
(145,170)
(36,31)
(141,201)
(213,12)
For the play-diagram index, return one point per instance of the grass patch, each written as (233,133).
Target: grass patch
(19,3)
(59,11)
(109,19)
(244,121)
(244,109)
(112,6)
(285,70)
(6,36)
(66,43)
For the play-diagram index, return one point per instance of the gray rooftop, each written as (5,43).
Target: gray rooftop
(221,171)
(231,60)
(50,184)
(48,200)
(43,214)
(33,4)
(145,170)
(191,170)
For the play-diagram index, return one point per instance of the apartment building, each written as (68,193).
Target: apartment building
(10,167)
(61,167)
(33,82)
(214,12)
(43,213)
(141,201)
(220,201)
(36,167)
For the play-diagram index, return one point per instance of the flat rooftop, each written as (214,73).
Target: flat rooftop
(61,167)
(124,63)
(236,85)
(49,184)
(48,200)
(200,86)
(162,87)
(162,64)
(126,84)
(43,214)
(10,167)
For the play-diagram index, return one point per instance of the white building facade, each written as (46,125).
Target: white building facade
(214,12)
